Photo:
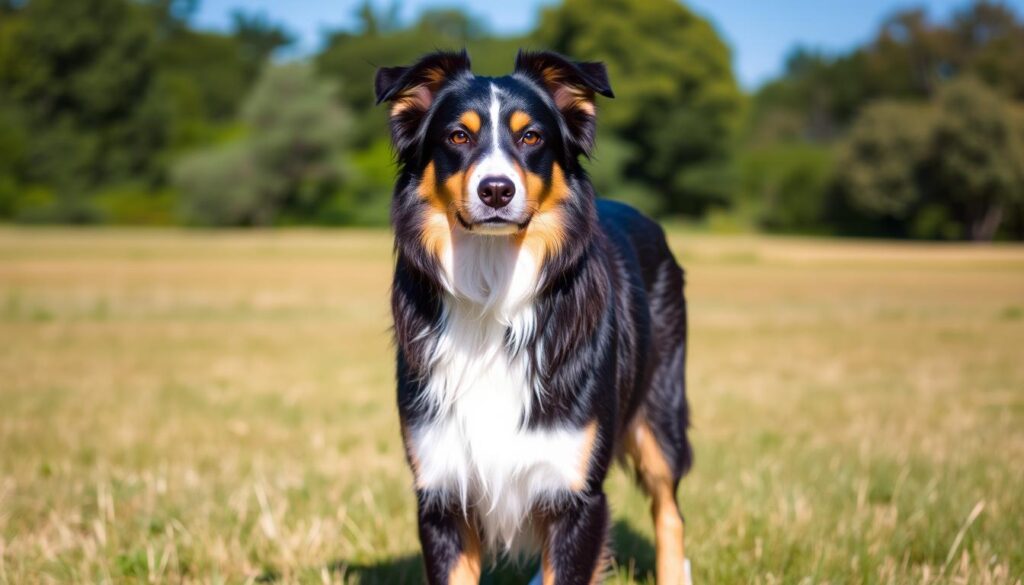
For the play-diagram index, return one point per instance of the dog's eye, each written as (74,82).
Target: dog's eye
(531,138)
(459,137)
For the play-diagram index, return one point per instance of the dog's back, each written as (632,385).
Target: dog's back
(647,263)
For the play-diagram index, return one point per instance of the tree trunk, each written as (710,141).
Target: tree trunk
(984,228)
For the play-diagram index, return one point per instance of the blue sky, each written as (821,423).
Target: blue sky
(760,32)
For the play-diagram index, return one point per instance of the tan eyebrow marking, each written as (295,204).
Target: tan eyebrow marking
(471,120)
(519,120)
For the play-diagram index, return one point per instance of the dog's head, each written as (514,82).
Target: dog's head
(491,155)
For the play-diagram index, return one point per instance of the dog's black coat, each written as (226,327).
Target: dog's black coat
(611,316)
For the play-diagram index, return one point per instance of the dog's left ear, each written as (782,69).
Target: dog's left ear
(411,91)
(572,86)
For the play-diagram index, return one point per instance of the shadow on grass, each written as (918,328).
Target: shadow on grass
(634,553)
(408,569)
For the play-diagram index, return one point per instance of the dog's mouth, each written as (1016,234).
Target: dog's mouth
(493,225)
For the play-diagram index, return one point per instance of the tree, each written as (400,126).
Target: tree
(352,57)
(286,169)
(83,77)
(677,100)
(976,163)
(784,187)
(880,161)
(208,67)
(258,39)
(951,168)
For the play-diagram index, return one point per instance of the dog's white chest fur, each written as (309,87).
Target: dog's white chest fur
(476,449)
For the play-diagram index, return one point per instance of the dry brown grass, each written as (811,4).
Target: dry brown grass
(218,407)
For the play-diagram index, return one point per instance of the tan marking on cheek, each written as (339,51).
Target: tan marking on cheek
(519,120)
(557,192)
(435,233)
(534,188)
(455,185)
(546,197)
(586,454)
(438,198)
(471,120)
(544,237)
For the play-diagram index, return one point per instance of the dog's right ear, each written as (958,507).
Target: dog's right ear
(411,91)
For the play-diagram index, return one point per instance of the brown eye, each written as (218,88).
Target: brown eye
(531,138)
(459,137)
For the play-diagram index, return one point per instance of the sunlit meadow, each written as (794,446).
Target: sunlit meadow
(190,406)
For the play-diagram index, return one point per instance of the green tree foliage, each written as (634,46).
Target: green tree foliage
(916,140)
(976,163)
(910,58)
(352,57)
(781,186)
(880,161)
(97,97)
(82,77)
(951,168)
(286,169)
(677,102)
(122,111)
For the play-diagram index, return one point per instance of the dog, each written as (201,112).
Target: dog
(540,332)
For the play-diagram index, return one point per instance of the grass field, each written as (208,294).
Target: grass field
(218,407)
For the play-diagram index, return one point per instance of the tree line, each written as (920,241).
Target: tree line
(122,111)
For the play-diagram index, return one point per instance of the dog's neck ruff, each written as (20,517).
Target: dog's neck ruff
(487,318)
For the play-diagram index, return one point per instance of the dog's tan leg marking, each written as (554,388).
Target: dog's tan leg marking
(547,569)
(657,479)
(466,570)
(586,454)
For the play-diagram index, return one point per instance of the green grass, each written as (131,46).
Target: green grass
(198,406)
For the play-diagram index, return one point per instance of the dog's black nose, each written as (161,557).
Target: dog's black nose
(496,192)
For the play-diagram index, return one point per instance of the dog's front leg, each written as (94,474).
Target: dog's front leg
(576,543)
(451,545)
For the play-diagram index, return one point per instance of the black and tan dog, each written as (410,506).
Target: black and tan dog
(540,332)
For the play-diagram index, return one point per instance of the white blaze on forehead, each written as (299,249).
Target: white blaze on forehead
(495,117)
(495,163)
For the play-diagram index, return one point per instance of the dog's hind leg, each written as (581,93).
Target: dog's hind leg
(660,478)
(656,439)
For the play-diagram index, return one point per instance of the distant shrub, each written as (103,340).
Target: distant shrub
(136,205)
(784,187)
(365,197)
(288,166)
(953,168)
(879,162)
(607,171)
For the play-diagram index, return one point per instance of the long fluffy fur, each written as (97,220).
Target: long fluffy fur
(524,361)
